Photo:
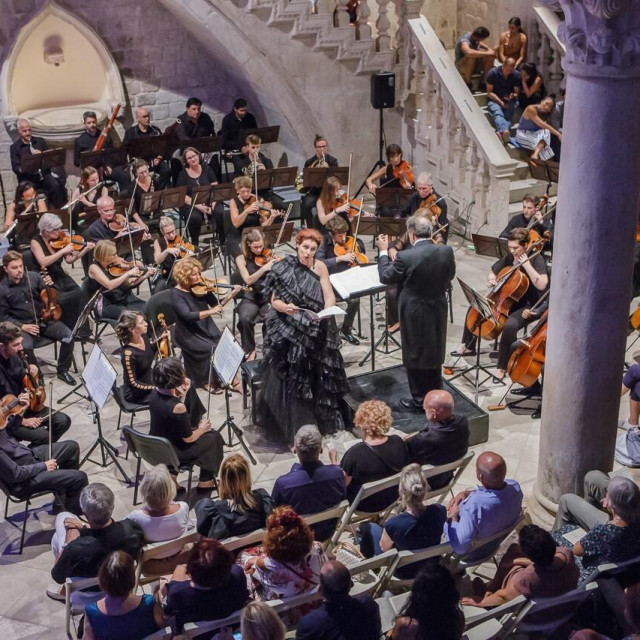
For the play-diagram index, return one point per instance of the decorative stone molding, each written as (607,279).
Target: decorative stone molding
(602,36)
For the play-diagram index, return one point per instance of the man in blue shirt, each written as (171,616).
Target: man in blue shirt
(311,486)
(480,513)
(503,87)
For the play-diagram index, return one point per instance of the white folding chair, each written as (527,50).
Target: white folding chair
(408,558)
(457,467)
(74,604)
(370,576)
(335,513)
(162,634)
(481,624)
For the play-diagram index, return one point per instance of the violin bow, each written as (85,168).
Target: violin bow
(533,222)
(51,421)
(349,175)
(209,383)
(186,224)
(386,182)
(286,217)
(33,304)
(127,217)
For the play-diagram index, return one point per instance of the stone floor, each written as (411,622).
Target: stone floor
(25,611)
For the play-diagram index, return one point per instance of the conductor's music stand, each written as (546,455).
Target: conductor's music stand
(394,199)
(36,162)
(483,307)
(315,177)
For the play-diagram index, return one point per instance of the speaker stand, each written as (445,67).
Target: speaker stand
(379,162)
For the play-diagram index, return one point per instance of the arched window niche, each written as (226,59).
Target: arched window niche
(58,68)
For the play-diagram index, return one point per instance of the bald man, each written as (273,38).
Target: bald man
(483,512)
(99,229)
(341,616)
(443,439)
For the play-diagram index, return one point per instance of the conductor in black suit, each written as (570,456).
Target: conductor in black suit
(423,274)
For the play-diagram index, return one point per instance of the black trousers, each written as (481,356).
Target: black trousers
(352,310)
(250,313)
(56,330)
(133,303)
(67,481)
(307,203)
(55,190)
(194,219)
(60,423)
(392,305)
(163,174)
(206,452)
(121,176)
(421,381)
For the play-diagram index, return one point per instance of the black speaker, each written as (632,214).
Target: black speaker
(383,90)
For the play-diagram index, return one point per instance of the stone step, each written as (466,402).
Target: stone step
(522,171)
(517,153)
(481,99)
(519,188)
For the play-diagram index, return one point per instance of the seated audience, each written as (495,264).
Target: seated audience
(80,547)
(513,42)
(240,508)
(260,622)
(631,385)
(311,486)
(341,616)
(444,439)
(432,610)
(208,587)
(473,54)
(378,456)
(417,526)
(480,513)
(503,87)
(532,89)
(534,132)
(161,518)
(534,568)
(121,613)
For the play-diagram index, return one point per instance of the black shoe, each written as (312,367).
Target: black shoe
(534,390)
(66,377)
(409,404)
(351,339)
(467,353)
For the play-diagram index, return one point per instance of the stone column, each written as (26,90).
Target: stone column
(598,204)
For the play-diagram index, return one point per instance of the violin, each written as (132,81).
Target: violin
(404,175)
(351,246)
(355,206)
(65,239)
(511,285)
(119,223)
(179,243)
(207,285)
(164,343)
(265,256)
(527,360)
(430,203)
(33,386)
(51,310)
(9,406)
(265,209)
(117,269)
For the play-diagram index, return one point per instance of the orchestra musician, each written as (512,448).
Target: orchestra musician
(116,289)
(423,274)
(89,181)
(34,426)
(28,144)
(247,212)
(68,293)
(328,203)
(234,124)
(522,220)
(535,269)
(401,178)
(165,253)
(337,237)
(320,158)
(253,264)
(26,200)
(427,197)
(144,129)
(195,331)
(22,304)
(86,141)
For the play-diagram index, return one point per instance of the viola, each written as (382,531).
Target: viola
(33,386)
(65,239)
(164,344)
(9,406)
(404,175)
(351,246)
(51,310)
(526,362)
(179,243)
(265,256)
(430,203)
(119,223)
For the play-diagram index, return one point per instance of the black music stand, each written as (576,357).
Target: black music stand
(123,244)
(271,233)
(149,147)
(283,176)
(222,192)
(315,177)
(36,162)
(26,227)
(208,144)
(155,202)
(103,158)
(488,246)
(547,170)
(483,306)
(394,199)
(266,134)
(90,214)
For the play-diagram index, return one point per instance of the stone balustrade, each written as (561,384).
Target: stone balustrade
(549,50)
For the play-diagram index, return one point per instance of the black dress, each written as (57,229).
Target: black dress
(196,338)
(234,235)
(206,451)
(195,216)
(303,377)
(115,301)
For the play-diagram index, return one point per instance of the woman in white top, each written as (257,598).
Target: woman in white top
(161,518)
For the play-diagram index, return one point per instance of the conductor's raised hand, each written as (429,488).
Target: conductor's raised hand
(383,242)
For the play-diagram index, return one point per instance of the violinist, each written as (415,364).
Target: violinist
(320,158)
(87,193)
(26,200)
(253,264)
(426,197)
(117,278)
(330,203)
(246,211)
(530,209)
(195,331)
(338,261)
(21,303)
(32,428)
(397,174)
(535,269)
(50,259)
(167,248)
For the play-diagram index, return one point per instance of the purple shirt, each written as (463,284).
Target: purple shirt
(483,514)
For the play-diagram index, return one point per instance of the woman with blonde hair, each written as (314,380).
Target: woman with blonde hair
(87,194)
(240,509)
(259,621)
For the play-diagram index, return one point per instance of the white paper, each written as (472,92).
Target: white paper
(99,376)
(325,313)
(355,280)
(575,536)
(227,357)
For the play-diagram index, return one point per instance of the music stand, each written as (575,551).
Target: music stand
(90,214)
(315,177)
(207,144)
(394,199)
(487,246)
(484,308)
(202,194)
(392,227)
(103,158)
(149,147)
(266,134)
(271,233)
(222,192)
(207,256)
(123,244)
(156,202)
(26,227)
(36,162)
(547,170)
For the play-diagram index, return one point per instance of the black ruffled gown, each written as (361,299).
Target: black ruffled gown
(303,377)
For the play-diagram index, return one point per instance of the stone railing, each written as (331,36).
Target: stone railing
(549,50)
(451,135)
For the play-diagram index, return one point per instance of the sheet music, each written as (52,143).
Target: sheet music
(325,313)
(575,536)
(355,280)
(227,357)
(99,376)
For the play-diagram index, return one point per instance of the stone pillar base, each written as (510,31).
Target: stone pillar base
(541,509)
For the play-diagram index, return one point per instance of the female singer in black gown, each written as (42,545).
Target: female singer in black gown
(303,377)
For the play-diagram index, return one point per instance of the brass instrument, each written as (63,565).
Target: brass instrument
(318,163)
(255,164)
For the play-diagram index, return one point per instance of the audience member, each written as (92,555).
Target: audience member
(432,611)
(534,132)
(532,89)
(416,527)
(121,613)
(444,439)
(341,616)
(503,87)
(534,568)
(161,518)
(472,53)
(632,611)
(513,43)
(208,587)
(631,385)
(311,486)
(80,547)
(480,513)
(378,456)
(240,509)
(260,622)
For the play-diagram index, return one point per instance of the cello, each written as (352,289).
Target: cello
(526,362)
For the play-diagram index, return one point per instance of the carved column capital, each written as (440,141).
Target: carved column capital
(602,36)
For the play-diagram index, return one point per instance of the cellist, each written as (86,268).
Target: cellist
(535,269)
